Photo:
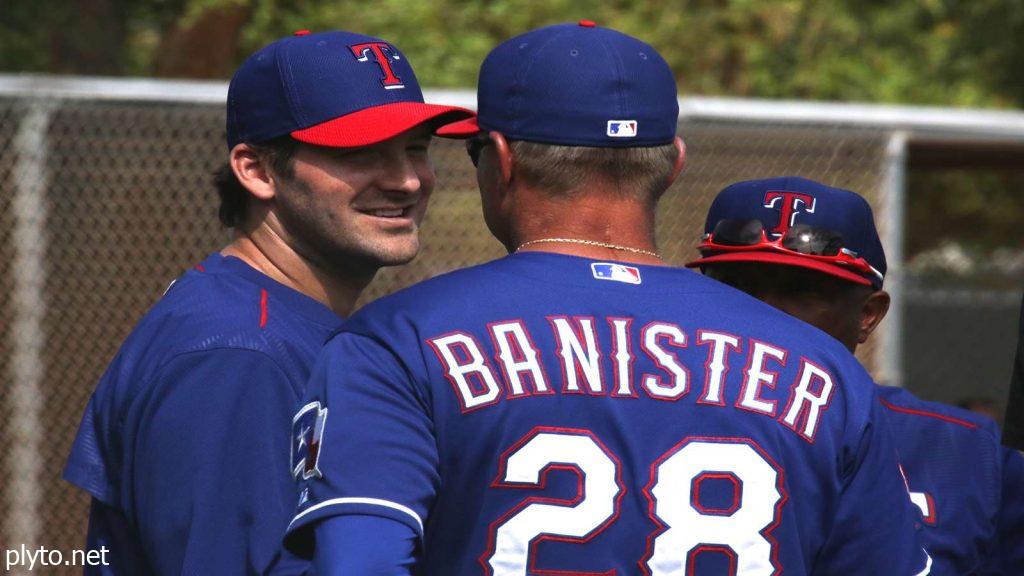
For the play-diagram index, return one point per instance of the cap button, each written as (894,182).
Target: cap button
(587,23)
(301,32)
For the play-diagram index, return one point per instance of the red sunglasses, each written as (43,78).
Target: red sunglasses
(805,241)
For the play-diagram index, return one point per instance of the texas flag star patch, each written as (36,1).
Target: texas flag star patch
(307,432)
(615,272)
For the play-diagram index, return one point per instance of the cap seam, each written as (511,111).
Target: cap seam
(614,57)
(240,132)
(288,80)
(526,72)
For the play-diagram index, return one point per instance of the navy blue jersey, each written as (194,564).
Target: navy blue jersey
(548,414)
(953,464)
(184,444)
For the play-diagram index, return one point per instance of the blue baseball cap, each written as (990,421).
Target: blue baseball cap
(329,89)
(576,85)
(780,203)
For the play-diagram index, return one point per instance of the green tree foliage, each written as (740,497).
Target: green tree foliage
(944,52)
(920,52)
(933,52)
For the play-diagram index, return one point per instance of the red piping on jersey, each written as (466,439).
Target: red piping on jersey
(263,308)
(949,419)
(200,268)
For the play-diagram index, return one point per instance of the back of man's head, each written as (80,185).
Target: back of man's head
(809,249)
(641,173)
(793,221)
(797,286)
(582,108)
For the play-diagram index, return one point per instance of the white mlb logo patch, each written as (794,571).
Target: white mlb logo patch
(615,272)
(622,128)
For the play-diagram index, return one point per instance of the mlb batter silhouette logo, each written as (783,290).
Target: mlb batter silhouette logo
(622,128)
(382,53)
(789,204)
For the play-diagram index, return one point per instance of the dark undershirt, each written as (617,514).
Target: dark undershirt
(1013,428)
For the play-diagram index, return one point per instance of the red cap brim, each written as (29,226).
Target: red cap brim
(785,260)
(461,129)
(379,123)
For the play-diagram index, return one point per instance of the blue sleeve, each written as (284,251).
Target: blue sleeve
(114,536)
(1011,513)
(358,544)
(94,464)
(377,454)
(212,490)
(875,529)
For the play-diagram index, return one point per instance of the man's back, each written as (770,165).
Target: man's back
(558,414)
(954,463)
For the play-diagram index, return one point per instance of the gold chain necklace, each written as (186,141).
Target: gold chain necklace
(588,243)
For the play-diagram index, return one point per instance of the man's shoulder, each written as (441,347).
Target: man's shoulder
(536,288)
(954,469)
(538,281)
(200,334)
(203,314)
(535,284)
(902,404)
(202,311)
(938,436)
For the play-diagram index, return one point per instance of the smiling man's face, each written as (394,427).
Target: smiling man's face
(345,207)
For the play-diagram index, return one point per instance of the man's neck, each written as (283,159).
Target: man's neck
(613,228)
(270,254)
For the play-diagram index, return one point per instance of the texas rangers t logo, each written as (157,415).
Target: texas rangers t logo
(382,53)
(789,204)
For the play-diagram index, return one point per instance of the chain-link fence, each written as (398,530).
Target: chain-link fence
(105,201)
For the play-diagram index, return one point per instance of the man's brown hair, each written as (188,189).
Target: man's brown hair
(234,197)
(644,171)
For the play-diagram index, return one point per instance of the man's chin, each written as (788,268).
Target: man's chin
(394,254)
(395,262)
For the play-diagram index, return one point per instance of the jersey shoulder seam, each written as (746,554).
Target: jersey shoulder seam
(935,415)
(158,372)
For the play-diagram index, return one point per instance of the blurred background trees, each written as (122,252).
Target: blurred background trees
(922,52)
(944,52)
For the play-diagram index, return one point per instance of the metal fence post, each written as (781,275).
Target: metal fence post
(894,225)
(29,208)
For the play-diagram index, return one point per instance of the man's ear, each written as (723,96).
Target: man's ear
(871,314)
(252,171)
(504,154)
(680,160)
